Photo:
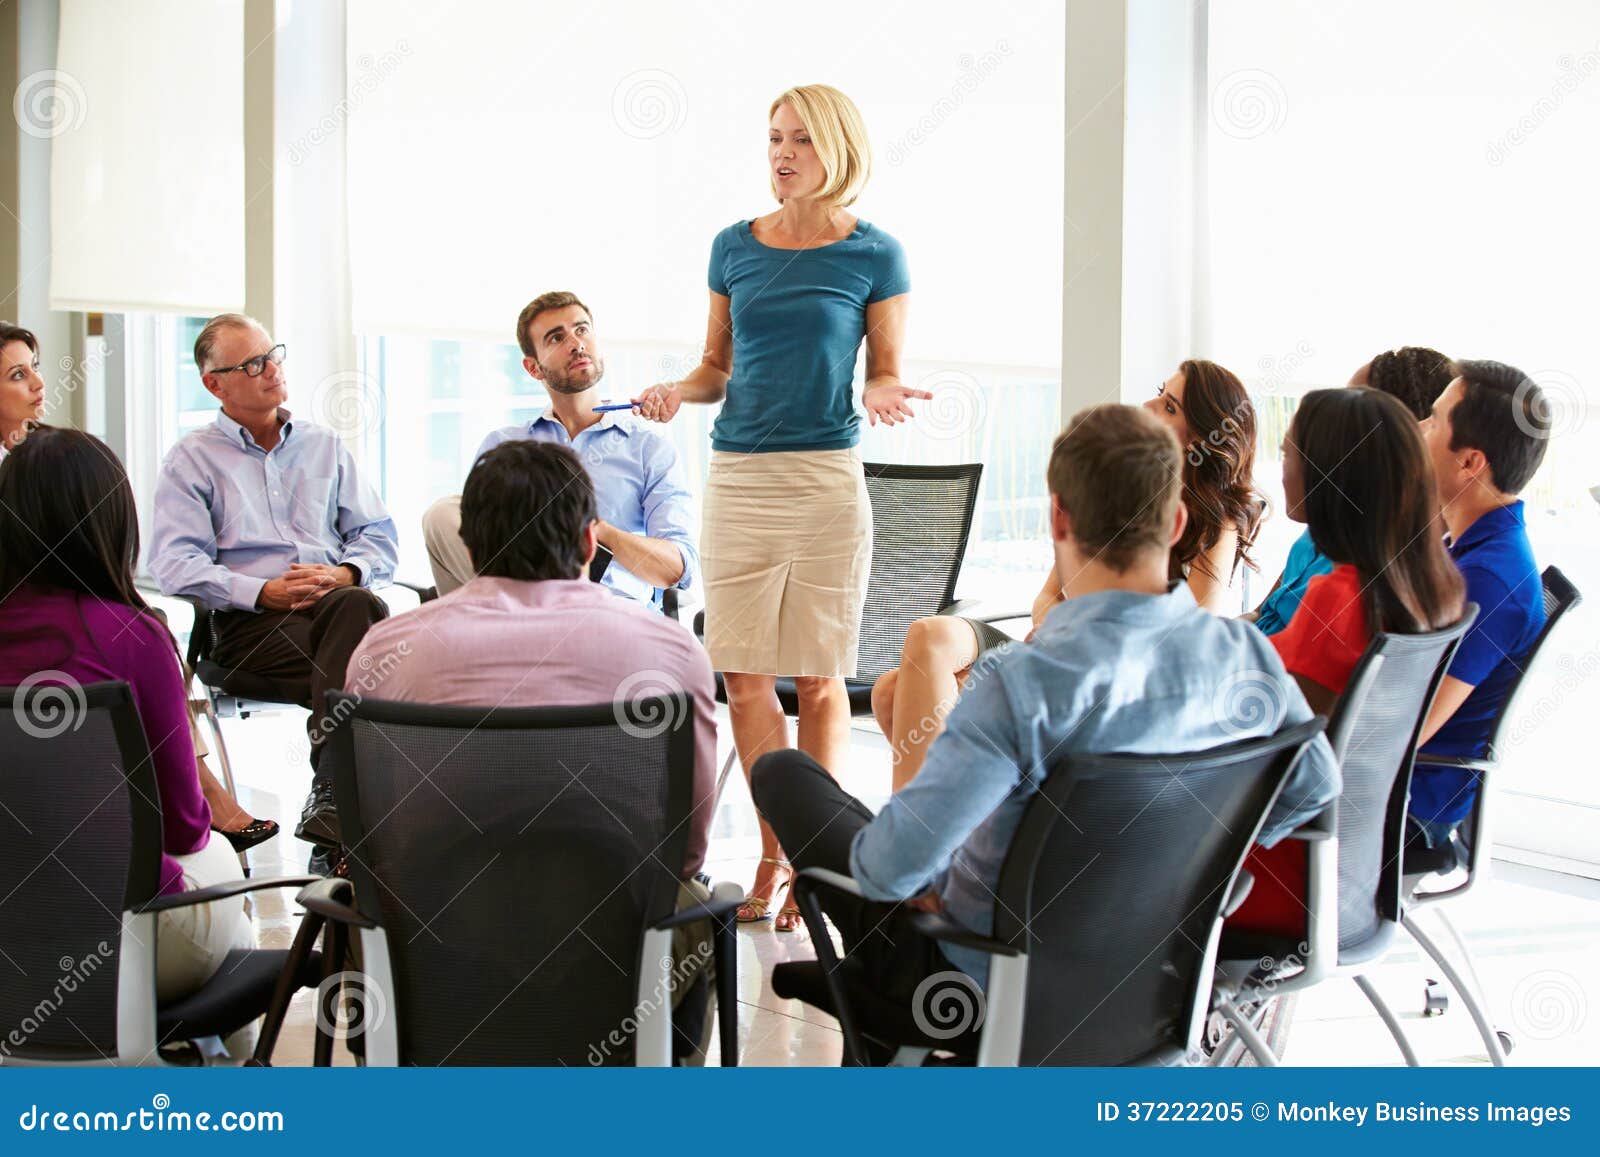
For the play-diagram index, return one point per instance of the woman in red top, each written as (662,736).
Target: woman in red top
(1356,472)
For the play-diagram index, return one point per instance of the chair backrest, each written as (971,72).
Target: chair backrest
(514,857)
(80,842)
(1115,882)
(202,635)
(1374,732)
(921,519)
(1560,596)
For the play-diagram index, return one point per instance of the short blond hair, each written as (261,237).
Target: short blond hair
(839,136)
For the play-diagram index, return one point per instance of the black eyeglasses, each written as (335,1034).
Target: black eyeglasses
(257,365)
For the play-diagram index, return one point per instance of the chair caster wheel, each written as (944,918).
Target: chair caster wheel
(1507,1041)
(1435,999)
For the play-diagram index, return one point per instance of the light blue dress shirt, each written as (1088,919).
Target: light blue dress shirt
(229,515)
(1107,672)
(638,487)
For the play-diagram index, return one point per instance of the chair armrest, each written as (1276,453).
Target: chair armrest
(725,897)
(669,603)
(938,926)
(424,594)
(1310,835)
(700,625)
(1242,884)
(1465,762)
(838,881)
(222,892)
(199,630)
(330,897)
(803,891)
(964,607)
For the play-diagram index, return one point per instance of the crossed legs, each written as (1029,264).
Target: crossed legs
(911,702)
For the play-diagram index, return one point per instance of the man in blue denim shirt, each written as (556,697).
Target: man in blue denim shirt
(645,512)
(263,518)
(1128,663)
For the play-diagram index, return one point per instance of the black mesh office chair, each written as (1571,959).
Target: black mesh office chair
(1469,851)
(80,865)
(1107,914)
(921,520)
(1353,901)
(515,873)
(227,691)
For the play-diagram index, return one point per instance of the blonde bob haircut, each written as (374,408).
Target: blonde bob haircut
(839,136)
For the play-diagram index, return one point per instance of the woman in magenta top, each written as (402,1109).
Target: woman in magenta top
(1356,472)
(69,613)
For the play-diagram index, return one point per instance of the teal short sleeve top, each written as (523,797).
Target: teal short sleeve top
(799,318)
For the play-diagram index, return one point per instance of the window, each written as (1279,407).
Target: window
(1423,174)
(660,142)
(442,398)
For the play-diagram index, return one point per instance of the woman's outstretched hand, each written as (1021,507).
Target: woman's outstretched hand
(659,403)
(887,403)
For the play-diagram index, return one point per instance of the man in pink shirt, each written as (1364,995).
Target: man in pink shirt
(532,631)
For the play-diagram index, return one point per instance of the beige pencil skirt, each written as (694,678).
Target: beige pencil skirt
(786,549)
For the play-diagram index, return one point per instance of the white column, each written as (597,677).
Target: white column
(1135,106)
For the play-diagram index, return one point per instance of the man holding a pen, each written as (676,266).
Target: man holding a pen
(645,517)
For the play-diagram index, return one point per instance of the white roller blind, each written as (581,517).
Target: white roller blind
(145,111)
(501,148)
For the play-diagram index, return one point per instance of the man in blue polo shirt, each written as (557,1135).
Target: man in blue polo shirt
(1486,438)
(644,505)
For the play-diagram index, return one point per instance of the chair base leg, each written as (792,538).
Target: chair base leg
(225,764)
(1389,1020)
(1246,1031)
(909,1057)
(722,776)
(1469,997)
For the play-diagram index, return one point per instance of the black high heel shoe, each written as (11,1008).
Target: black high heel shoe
(253,833)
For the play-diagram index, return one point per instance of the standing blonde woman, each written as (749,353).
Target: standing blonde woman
(787,540)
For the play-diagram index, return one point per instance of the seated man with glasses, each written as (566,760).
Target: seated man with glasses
(262,517)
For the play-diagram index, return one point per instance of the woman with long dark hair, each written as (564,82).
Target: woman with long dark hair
(23,405)
(70,613)
(1209,412)
(1415,376)
(1356,472)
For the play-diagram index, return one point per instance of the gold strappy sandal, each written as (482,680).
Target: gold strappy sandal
(754,910)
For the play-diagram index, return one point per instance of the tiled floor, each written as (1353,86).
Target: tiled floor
(1535,935)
